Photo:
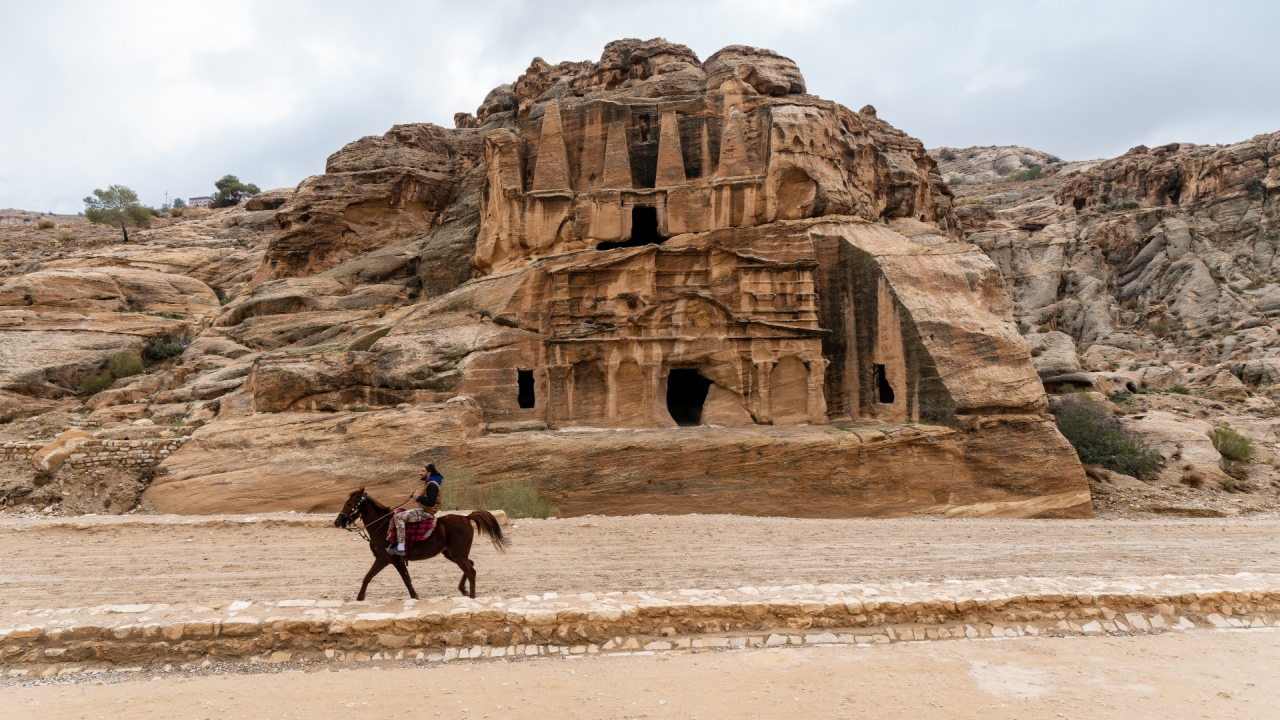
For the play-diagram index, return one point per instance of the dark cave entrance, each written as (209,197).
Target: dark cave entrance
(525,394)
(884,391)
(644,230)
(686,392)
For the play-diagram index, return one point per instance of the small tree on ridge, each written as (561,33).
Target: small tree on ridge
(232,192)
(117,205)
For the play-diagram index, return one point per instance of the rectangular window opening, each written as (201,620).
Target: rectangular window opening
(525,394)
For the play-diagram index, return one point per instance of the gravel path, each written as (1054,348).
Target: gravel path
(171,559)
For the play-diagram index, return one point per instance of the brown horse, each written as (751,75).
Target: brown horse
(452,537)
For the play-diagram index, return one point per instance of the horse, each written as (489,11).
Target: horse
(452,537)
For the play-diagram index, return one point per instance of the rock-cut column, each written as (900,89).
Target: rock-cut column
(552,170)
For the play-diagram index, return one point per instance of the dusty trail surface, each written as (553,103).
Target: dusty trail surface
(93,561)
(1198,674)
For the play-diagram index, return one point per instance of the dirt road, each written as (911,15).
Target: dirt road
(1197,674)
(160,561)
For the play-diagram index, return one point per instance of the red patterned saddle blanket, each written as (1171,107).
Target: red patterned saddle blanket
(413,532)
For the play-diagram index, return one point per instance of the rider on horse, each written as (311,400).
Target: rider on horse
(429,499)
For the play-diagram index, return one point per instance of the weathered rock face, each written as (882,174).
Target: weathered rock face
(377,191)
(634,246)
(1178,240)
(980,165)
(58,326)
(1152,272)
(300,461)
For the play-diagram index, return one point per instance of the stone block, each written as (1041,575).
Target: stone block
(241,626)
(200,629)
(1137,621)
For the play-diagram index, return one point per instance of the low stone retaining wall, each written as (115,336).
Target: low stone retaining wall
(123,453)
(18,451)
(100,453)
(48,642)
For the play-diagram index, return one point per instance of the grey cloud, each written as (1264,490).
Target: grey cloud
(161,96)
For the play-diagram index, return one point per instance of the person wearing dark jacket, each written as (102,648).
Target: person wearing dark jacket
(429,500)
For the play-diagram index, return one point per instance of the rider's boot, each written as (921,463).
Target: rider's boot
(397,549)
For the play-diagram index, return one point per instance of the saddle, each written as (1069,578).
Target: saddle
(413,532)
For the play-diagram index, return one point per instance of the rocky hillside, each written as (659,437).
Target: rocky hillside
(984,165)
(1150,277)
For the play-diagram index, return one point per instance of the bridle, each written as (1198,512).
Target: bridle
(348,519)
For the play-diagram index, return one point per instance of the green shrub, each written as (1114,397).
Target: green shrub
(1162,326)
(947,154)
(158,350)
(1231,444)
(518,499)
(956,180)
(65,236)
(1236,485)
(95,384)
(1180,390)
(124,364)
(1030,172)
(1100,439)
(46,224)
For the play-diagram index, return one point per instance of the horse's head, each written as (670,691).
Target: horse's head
(351,509)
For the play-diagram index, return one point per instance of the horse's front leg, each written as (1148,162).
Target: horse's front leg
(403,568)
(378,563)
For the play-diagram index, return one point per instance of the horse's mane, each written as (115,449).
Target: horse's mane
(376,510)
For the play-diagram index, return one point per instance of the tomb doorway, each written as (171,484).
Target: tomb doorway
(686,393)
(644,230)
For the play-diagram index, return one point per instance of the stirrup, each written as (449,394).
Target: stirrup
(392,550)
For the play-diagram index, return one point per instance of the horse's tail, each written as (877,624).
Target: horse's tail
(487,524)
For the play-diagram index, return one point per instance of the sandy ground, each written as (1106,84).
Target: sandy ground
(95,562)
(1200,674)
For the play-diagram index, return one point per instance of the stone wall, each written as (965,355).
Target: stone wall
(18,451)
(123,453)
(101,453)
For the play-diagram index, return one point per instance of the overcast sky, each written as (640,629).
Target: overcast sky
(170,96)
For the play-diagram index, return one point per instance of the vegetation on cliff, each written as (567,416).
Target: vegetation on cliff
(1100,439)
